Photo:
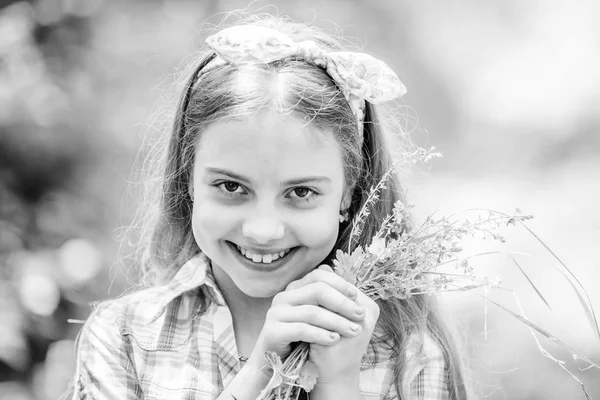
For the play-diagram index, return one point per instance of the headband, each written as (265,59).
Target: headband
(359,76)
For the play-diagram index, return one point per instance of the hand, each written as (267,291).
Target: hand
(339,363)
(329,313)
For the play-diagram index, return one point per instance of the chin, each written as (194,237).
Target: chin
(261,293)
(261,289)
(266,286)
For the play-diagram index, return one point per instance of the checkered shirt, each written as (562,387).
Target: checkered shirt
(177,342)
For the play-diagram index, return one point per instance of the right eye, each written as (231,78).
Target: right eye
(230,188)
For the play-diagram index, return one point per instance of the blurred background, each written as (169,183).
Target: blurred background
(508,91)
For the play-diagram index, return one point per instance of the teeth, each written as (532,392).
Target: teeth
(242,250)
(258,258)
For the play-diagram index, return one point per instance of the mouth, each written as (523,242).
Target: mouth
(265,260)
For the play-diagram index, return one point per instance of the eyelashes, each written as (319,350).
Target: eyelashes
(233,190)
(303,193)
(229,187)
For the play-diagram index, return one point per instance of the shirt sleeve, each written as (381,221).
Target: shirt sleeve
(104,368)
(430,383)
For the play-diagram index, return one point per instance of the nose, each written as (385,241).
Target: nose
(263,230)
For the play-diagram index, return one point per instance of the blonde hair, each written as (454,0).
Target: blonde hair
(214,92)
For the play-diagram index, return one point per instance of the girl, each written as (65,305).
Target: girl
(276,143)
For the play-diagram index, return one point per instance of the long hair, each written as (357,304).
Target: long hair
(417,314)
(217,91)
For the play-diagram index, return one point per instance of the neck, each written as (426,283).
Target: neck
(248,313)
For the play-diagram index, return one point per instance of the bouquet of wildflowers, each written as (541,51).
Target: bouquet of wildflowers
(402,262)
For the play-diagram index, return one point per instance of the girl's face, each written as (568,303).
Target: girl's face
(267,194)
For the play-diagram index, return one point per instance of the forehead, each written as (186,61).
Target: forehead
(268,144)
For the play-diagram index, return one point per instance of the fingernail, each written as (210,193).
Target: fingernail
(359,310)
(351,291)
(354,328)
(333,336)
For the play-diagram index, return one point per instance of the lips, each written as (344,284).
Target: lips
(262,258)
(273,257)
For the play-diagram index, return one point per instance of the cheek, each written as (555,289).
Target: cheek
(210,222)
(318,230)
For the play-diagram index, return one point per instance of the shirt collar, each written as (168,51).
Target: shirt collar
(195,273)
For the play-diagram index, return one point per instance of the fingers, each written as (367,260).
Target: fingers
(351,291)
(282,333)
(319,317)
(300,332)
(322,294)
(319,308)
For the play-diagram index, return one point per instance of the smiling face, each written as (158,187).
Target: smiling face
(267,194)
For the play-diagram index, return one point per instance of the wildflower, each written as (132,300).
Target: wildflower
(399,263)
(377,247)
(277,366)
(308,376)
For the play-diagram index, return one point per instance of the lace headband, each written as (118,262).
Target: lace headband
(359,76)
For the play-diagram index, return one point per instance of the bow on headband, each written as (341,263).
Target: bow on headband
(358,75)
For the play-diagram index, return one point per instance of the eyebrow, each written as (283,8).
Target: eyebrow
(291,182)
(219,171)
(308,179)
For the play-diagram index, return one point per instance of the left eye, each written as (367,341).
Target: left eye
(302,192)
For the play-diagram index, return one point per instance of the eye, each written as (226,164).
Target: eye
(231,187)
(302,193)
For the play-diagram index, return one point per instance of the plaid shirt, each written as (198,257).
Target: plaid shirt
(177,342)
